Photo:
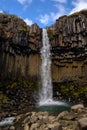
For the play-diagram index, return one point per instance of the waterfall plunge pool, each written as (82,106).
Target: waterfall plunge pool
(46,102)
(54,107)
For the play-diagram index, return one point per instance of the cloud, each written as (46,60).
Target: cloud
(78,5)
(60,1)
(44,19)
(1,11)
(28,21)
(61,11)
(51,17)
(24,1)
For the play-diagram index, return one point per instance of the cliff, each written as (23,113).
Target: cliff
(20,59)
(20,45)
(68,37)
(19,48)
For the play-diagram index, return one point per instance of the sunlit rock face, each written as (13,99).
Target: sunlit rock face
(68,37)
(20,48)
(69,31)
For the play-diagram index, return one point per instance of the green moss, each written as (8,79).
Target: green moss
(64,118)
(3,99)
(22,84)
(51,33)
(76,94)
(71,90)
(67,89)
(13,85)
(24,30)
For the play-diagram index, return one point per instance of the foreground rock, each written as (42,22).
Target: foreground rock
(77,108)
(82,124)
(73,120)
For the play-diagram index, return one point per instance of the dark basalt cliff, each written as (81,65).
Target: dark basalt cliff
(20,56)
(68,37)
(19,47)
(19,63)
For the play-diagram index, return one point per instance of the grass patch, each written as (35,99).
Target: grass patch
(75,91)
(3,99)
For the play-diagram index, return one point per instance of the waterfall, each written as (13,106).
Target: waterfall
(46,91)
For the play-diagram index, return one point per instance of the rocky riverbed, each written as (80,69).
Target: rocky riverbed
(75,119)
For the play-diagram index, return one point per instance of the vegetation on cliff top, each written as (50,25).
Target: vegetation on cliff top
(78,13)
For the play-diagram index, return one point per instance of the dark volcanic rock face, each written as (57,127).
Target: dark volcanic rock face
(15,32)
(19,59)
(20,53)
(68,37)
(69,31)
(18,43)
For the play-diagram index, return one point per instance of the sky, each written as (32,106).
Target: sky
(42,12)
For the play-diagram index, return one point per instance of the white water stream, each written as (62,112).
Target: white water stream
(46,92)
(7,121)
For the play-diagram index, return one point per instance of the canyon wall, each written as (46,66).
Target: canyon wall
(20,48)
(68,37)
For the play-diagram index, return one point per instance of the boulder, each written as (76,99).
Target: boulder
(76,108)
(26,127)
(55,126)
(33,119)
(82,124)
(13,128)
(62,114)
(71,116)
(34,126)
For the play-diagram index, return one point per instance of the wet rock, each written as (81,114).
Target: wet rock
(76,108)
(70,116)
(12,128)
(62,114)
